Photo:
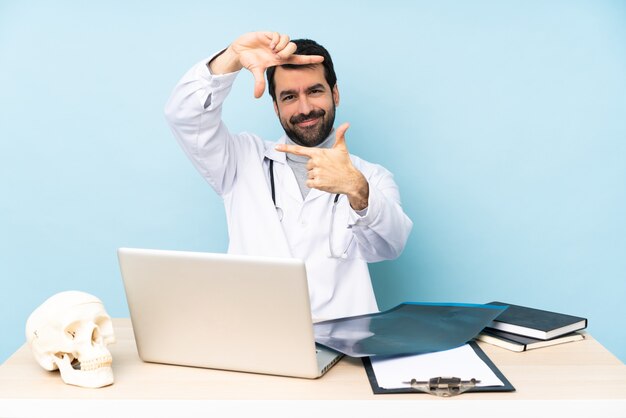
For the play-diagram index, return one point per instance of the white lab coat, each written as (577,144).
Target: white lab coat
(237,168)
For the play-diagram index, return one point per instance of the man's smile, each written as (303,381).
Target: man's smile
(308,123)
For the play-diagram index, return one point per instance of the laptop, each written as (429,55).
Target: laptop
(223,311)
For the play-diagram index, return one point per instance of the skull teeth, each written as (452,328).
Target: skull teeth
(96,363)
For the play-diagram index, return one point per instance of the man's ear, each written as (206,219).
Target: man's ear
(336,95)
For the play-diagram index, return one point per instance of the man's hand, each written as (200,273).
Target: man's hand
(257,51)
(331,170)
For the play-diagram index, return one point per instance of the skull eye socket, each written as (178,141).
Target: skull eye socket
(95,335)
(71,330)
(74,329)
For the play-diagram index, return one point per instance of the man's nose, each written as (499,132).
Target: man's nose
(304,106)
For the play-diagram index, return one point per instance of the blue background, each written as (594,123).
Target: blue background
(504,123)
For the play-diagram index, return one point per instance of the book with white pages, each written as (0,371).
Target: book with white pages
(520,343)
(535,323)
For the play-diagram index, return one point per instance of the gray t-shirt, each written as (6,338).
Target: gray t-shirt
(298,162)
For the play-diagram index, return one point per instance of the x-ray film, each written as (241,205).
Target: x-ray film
(409,328)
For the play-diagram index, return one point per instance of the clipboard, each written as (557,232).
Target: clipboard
(507,386)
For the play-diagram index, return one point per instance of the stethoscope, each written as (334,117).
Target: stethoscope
(279,212)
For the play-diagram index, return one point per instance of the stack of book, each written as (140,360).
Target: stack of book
(520,328)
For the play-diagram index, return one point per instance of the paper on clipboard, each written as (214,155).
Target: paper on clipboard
(463,362)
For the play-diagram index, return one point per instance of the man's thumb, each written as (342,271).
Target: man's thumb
(340,136)
(259,82)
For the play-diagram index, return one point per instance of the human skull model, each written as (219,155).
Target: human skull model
(70,332)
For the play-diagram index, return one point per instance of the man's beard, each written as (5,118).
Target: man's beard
(313,136)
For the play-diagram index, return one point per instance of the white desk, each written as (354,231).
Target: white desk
(575,379)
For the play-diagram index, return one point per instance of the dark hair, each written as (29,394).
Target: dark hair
(305,47)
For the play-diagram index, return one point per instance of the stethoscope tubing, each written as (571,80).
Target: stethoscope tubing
(279,212)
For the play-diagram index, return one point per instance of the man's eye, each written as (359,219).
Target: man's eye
(288,98)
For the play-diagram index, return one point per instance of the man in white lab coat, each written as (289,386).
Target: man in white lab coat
(303,196)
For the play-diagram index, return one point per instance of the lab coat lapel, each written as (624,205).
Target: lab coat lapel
(314,194)
(268,237)
(284,178)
